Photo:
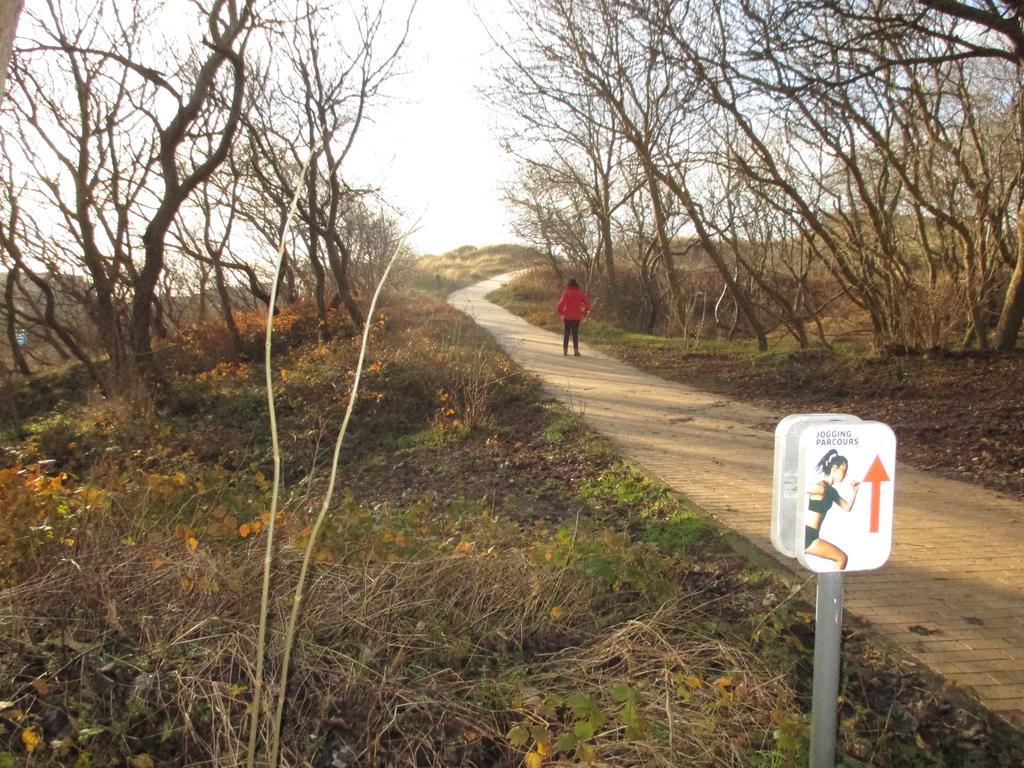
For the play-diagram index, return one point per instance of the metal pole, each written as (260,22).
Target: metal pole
(828,630)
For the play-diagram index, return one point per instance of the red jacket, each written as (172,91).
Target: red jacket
(574,304)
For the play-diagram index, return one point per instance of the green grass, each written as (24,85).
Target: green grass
(35,397)
(564,425)
(431,436)
(622,487)
(659,516)
(683,531)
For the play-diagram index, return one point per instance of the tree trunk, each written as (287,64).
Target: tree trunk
(649,289)
(225,306)
(608,251)
(739,295)
(1013,306)
(55,345)
(313,253)
(288,279)
(204,281)
(338,257)
(158,318)
(664,242)
(974,300)
(319,283)
(144,289)
(9,12)
(12,333)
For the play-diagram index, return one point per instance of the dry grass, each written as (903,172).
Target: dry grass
(431,661)
(432,634)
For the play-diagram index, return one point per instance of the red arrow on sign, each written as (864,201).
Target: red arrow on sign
(876,476)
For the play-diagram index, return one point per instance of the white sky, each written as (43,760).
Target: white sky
(433,149)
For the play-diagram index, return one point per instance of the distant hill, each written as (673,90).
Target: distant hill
(469,264)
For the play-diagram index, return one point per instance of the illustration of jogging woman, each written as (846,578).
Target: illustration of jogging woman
(822,496)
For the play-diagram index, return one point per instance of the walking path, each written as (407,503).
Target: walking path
(952,593)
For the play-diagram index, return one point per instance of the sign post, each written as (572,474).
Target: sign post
(843,529)
(828,636)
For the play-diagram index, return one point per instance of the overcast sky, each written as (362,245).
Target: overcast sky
(433,149)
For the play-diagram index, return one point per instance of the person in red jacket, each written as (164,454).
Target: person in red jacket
(573,307)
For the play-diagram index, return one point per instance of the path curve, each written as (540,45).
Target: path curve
(965,605)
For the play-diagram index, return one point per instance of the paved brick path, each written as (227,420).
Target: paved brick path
(956,574)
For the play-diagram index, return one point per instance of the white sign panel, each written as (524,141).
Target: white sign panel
(845,482)
(787,507)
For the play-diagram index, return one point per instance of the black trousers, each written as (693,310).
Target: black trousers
(572,327)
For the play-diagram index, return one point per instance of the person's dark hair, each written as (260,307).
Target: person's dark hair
(573,283)
(830,460)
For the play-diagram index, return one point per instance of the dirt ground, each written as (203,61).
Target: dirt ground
(961,415)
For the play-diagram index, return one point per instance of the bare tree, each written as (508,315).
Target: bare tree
(555,216)
(119,167)
(11,326)
(563,132)
(846,107)
(878,143)
(372,238)
(533,220)
(871,41)
(635,241)
(660,109)
(229,24)
(318,108)
(47,301)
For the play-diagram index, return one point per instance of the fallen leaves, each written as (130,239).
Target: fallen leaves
(31,738)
